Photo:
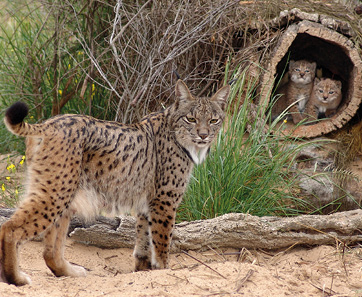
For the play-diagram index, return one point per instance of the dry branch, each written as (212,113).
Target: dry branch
(227,231)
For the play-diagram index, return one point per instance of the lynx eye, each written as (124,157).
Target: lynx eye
(331,92)
(297,69)
(320,91)
(307,71)
(214,121)
(190,119)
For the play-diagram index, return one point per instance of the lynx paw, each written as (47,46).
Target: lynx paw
(75,271)
(21,279)
(142,263)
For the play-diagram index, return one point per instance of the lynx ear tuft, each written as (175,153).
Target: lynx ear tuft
(221,96)
(182,91)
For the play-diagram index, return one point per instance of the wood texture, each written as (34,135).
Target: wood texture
(227,231)
(327,41)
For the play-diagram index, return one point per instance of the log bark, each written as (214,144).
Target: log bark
(227,231)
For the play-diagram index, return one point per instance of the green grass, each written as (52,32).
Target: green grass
(251,174)
(43,65)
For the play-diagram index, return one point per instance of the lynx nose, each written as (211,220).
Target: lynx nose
(203,135)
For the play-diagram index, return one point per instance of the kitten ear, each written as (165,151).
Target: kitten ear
(182,91)
(221,96)
(291,63)
(316,81)
(338,84)
(314,65)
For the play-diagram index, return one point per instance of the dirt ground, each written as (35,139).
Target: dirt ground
(317,271)
(296,271)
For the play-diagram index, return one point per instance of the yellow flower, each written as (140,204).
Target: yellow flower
(16,192)
(3,187)
(60,92)
(93,90)
(8,178)
(10,167)
(69,66)
(22,160)
(285,121)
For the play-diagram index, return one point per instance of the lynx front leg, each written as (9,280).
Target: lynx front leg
(142,252)
(54,250)
(162,223)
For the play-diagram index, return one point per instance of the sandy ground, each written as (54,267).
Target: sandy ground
(297,271)
(317,271)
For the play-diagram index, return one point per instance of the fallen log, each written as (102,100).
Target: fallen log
(227,231)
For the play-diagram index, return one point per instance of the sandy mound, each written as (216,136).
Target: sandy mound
(319,271)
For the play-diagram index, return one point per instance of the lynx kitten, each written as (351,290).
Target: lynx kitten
(325,98)
(297,90)
(79,164)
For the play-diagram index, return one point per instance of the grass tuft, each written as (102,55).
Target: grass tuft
(246,172)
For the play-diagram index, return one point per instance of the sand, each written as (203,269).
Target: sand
(298,271)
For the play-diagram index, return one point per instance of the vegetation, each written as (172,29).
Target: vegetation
(246,172)
(10,183)
(116,60)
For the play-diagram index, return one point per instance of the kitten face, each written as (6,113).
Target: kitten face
(328,92)
(302,71)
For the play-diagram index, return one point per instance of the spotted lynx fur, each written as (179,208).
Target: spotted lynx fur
(296,92)
(325,98)
(79,164)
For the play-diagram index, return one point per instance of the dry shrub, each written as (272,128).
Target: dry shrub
(132,49)
(147,41)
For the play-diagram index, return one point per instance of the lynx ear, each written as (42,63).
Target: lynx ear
(338,84)
(291,63)
(221,96)
(316,81)
(182,91)
(314,65)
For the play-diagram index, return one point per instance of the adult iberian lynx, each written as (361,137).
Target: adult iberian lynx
(79,164)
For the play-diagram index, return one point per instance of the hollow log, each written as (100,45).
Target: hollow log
(227,231)
(328,42)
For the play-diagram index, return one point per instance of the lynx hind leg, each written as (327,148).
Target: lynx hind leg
(53,254)
(23,225)
(142,252)
(38,212)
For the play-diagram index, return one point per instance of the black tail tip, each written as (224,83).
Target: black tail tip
(16,113)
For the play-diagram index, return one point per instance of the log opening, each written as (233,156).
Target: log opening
(336,56)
